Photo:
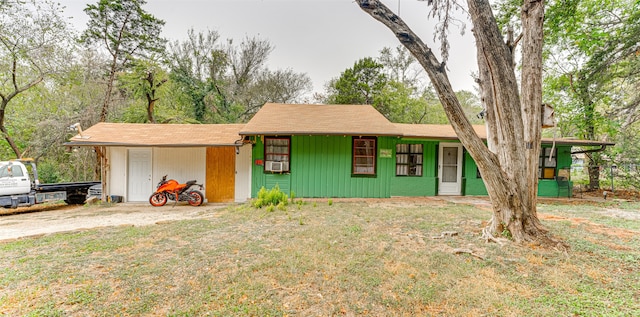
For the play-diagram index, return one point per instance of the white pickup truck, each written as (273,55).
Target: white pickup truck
(18,188)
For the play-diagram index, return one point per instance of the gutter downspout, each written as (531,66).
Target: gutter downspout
(602,148)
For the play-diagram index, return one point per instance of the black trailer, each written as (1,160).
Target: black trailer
(74,193)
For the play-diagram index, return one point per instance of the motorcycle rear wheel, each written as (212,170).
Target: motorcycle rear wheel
(158,199)
(195,198)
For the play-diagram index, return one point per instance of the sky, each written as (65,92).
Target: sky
(321,38)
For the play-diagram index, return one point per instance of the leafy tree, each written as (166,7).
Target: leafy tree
(229,82)
(126,31)
(470,105)
(359,84)
(396,88)
(513,113)
(34,46)
(593,69)
(145,79)
(400,65)
(197,65)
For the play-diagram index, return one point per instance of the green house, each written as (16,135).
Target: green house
(354,151)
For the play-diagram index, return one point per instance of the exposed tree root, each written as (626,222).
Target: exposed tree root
(539,237)
(489,237)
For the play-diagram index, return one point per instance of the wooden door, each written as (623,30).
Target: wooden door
(221,172)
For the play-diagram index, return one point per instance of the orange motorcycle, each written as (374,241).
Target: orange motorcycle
(172,190)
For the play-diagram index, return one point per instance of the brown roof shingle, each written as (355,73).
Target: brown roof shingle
(445,132)
(171,135)
(435,131)
(290,119)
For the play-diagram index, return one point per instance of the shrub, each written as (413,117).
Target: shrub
(273,197)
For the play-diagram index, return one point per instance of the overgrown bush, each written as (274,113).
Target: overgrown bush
(271,198)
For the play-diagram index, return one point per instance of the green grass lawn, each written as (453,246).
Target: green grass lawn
(378,258)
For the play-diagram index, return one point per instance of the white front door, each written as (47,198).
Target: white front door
(450,169)
(139,175)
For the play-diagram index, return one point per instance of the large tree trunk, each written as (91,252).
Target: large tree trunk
(3,129)
(593,168)
(509,173)
(104,112)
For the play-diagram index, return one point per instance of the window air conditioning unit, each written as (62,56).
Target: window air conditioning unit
(271,166)
(277,166)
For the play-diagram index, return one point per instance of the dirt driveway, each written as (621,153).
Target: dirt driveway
(73,218)
(41,220)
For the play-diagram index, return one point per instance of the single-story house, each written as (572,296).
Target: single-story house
(354,151)
(308,150)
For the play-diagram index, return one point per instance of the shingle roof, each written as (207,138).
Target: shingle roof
(171,135)
(277,119)
(435,131)
(289,119)
(445,132)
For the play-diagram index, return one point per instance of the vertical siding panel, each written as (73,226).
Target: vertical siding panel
(310,168)
(164,160)
(430,163)
(306,179)
(321,167)
(345,155)
(340,173)
(257,172)
(302,174)
(305,156)
(333,167)
(318,172)
(295,165)
(327,170)
(117,179)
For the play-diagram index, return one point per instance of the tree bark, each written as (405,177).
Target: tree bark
(151,95)
(151,100)
(508,173)
(532,16)
(104,112)
(150,106)
(6,134)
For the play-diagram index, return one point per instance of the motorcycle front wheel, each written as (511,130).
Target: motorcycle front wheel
(195,198)
(158,199)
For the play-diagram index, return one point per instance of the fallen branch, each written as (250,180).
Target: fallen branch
(445,234)
(469,251)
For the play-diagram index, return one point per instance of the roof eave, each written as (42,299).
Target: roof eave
(252,133)
(123,144)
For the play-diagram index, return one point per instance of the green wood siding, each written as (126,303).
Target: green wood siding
(472,186)
(549,187)
(321,167)
(546,187)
